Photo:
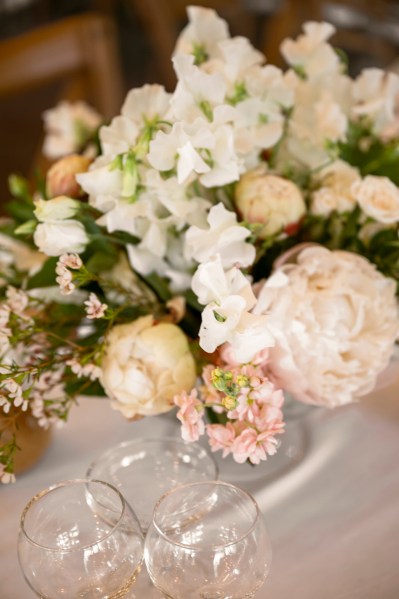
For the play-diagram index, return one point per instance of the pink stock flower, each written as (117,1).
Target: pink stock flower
(253,446)
(190,415)
(221,436)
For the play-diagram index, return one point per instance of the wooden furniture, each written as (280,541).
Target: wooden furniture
(79,51)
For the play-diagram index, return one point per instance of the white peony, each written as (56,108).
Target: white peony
(145,365)
(335,320)
(269,200)
(61,237)
(378,197)
(335,189)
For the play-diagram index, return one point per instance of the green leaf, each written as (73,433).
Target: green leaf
(46,276)
(27,228)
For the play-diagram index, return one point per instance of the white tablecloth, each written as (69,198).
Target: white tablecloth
(333,519)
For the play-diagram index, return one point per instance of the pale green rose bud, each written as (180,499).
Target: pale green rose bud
(61,237)
(269,200)
(60,208)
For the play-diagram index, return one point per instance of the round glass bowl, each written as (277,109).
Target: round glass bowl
(144,469)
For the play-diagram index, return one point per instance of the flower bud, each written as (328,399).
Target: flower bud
(60,237)
(59,208)
(61,179)
(269,200)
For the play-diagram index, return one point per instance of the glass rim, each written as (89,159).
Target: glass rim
(60,485)
(218,483)
(140,440)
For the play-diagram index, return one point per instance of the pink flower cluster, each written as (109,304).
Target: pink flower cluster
(248,405)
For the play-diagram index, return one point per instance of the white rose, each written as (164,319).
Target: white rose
(270,200)
(335,320)
(145,365)
(61,237)
(335,191)
(59,208)
(378,197)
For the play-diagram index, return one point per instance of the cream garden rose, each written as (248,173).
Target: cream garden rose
(270,200)
(378,197)
(335,321)
(145,365)
(335,189)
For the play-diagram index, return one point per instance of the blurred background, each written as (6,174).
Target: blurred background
(98,49)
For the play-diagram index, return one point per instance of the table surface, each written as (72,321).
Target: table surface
(333,516)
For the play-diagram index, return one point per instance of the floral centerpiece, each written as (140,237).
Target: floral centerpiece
(210,248)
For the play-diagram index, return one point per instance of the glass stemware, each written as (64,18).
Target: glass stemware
(80,539)
(207,540)
(144,469)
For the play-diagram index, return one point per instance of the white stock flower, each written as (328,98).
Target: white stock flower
(118,137)
(197,92)
(102,184)
(203,33)
(238,57)
(226,317)
(378,197)
(61,237)
(269,200)
(60,208)
(335,320)
(179,148)
(375,93)
(68,127)
(310,52)
(335,192)
(145,365)
(320,115)
(224,236)
(146,104)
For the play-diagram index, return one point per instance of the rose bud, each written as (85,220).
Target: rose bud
(61,179)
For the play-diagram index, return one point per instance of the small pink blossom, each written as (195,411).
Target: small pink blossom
(221,437)
(70,261)
(64,280)
(247,447)
(191,415)
(94,308)
(17,300)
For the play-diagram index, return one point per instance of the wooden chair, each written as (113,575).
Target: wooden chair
(71,59)
(81,51)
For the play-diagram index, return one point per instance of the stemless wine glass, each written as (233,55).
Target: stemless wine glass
(80,539)
(144,469)
(207,540)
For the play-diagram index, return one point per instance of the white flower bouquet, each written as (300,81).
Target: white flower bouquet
(208,249)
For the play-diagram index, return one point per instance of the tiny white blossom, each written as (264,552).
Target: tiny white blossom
(6,477)
(90,371)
